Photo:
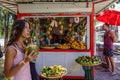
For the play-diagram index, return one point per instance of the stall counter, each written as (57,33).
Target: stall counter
(66,59)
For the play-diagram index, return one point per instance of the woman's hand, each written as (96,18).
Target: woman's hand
(32,56)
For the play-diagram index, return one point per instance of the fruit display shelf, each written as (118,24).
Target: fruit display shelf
(47,47)
(63,48)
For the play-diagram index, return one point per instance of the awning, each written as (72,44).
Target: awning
(100,5)
(10,5)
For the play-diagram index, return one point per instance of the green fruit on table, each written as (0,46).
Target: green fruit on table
(32,47)
(87,60)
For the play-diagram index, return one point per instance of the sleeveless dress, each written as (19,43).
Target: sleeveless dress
(24,72)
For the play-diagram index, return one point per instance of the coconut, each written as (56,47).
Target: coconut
(32,47)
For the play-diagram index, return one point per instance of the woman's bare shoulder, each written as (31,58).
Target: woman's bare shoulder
(10,49)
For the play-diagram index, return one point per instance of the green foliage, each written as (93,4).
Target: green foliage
(112,6)
(9,20)
(33,33)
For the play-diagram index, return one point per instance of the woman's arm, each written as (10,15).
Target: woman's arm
(9,69)
(10,54)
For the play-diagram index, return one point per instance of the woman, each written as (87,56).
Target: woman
(16,64)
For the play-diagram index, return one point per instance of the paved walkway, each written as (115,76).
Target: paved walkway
(100,72)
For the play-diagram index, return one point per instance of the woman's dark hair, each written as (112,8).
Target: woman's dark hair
(17,29)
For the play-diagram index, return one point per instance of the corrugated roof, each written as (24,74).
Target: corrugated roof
(13,4)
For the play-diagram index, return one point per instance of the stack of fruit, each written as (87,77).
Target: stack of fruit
(78,45)
(60,23)
(48,33)
(53,71)
(63,46)
(70,27)
(73,45)
(88,61)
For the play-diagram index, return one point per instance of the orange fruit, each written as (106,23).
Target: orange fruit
(61,31)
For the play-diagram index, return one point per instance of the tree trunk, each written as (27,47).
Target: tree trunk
(6,30)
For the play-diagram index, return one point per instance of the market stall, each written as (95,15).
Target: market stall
(51,23)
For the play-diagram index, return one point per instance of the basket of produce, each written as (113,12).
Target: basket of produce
(88,61)
(55,71)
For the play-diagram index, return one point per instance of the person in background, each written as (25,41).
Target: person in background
(47,42)
(1,53)
(16,65)
(76,36)
(109,39)
(65,37)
